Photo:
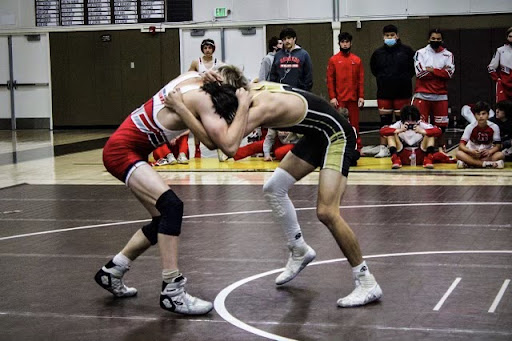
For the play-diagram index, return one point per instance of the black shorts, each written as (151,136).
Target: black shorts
(329,140)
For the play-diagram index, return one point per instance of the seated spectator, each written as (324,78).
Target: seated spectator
(467,113)
(411,140)
(480,143)
(504,121)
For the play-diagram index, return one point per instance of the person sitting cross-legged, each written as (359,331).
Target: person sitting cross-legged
(480,143)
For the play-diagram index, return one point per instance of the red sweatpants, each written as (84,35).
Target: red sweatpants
(181,146)
(279,149)
(353,115)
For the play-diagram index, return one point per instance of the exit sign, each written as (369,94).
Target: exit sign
(221,12)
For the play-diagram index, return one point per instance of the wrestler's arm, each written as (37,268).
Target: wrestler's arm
(174,103)
(226,137)
(210,128)
(194,66)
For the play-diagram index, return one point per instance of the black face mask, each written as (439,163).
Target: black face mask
(435,44)
(347,50)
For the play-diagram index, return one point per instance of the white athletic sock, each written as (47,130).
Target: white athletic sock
(360,270)
(168,275)
(276,193)
(122,261)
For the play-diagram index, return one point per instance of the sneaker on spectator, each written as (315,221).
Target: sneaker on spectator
(383,152)
(461,164)
(428,162)
(168,160)
(395,160)
(493,164)
(222,157)
(172,160)
(182,159)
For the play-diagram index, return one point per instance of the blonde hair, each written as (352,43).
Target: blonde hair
(233,76)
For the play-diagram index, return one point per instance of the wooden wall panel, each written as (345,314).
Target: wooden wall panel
(108,95)
(59,64)
(144,80)
(94,83)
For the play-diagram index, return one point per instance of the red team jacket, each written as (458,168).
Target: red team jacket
(345,77)
(500,66)
(444,67)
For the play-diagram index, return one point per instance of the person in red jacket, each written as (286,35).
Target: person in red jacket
(500,69)
(345,81)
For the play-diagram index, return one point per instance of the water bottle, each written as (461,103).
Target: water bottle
(413,158)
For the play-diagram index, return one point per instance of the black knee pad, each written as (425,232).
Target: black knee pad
(386,120)
(171,208)
(151,230)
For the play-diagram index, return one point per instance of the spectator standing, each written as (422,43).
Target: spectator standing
(274,45)
(345,81)
(203,64)
(500,69)
(434,66)
(292,65)
(393,67)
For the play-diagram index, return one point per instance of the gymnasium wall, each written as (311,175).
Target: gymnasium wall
(96,83)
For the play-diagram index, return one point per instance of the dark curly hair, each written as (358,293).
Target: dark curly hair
(409,113)
(481,106)
(207,41)
(505,106)
(224,99)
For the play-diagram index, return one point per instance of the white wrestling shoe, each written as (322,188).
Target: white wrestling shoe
(299,258)
(110,277)
(367,290)
(174,298)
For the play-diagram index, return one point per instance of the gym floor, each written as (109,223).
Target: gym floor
(438,241)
